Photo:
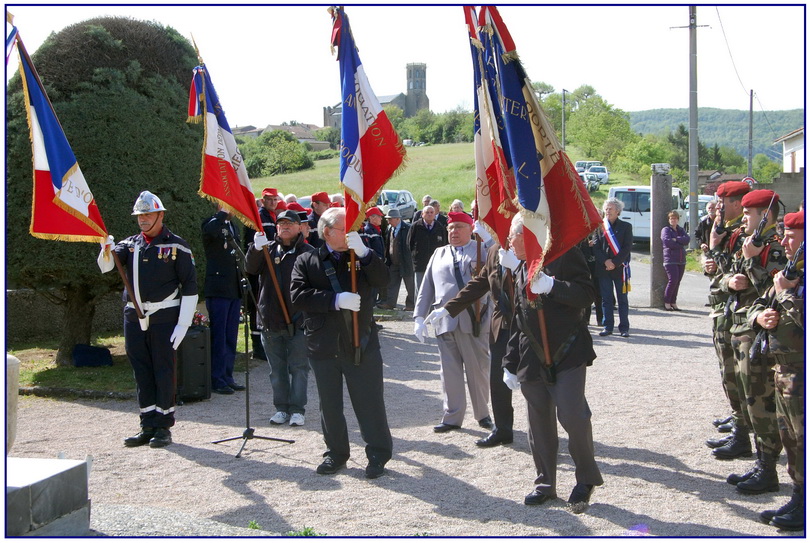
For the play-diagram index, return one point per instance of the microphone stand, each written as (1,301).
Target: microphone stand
(248,433)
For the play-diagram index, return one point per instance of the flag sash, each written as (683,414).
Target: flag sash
(613,243)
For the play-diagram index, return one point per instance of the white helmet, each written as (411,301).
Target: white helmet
(147,203)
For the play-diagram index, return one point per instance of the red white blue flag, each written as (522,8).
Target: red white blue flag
(370,149)
(557,211)
(223,178)
(63,208)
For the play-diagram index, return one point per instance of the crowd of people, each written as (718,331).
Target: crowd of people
(489,317)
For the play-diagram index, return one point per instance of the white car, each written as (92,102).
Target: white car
(601,172)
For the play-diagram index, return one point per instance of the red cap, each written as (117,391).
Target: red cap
(295,206)
(454,216)
(281,206)
(321,197)
(269,192)
(759,198)
(335,204)
(733,188)
(795,221)
(374,211)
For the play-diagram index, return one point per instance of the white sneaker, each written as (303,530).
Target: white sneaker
(279,418)
(297,419)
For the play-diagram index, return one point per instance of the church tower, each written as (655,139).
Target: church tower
(416,88)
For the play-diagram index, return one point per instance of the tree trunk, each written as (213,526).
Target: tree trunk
(80,307)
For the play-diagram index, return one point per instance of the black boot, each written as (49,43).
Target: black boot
(740,445)
(141,438)
(792,520)
(719,442)
(734,479)
(795,498)
(764,480)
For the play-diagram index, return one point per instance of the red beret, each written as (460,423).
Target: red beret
(295,206)
(281,206)
(759,198)
(269,192)
(321,197)
(795,221)
(335,204)
(374,211)
(460,216)
(733,188)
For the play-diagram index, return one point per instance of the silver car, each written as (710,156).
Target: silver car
(401,200)
(601,172)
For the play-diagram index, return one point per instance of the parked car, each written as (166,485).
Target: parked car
(305,201)
(601,172)
(637,207)
(703,199)
(584,165)
(591,181)
(397,199)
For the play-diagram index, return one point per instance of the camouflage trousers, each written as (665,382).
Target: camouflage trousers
(756,383)
(728,374)
(790,417)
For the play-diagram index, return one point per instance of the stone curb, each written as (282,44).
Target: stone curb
(62,392)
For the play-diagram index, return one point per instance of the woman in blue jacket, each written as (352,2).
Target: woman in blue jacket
(675,240)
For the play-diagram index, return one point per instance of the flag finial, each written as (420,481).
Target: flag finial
(9,18)
(197,51)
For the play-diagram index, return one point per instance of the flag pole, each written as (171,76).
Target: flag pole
(281,301)
(125,279)
(355,321)
(541,317)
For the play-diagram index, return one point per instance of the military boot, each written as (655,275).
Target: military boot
(733,479)
(764,480)
(141,438)
(767,515)
(793,520)
(740,445)
(719,442)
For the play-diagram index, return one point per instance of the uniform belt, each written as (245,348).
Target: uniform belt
(714,299)
(152,307)
(792,360)
(738,318)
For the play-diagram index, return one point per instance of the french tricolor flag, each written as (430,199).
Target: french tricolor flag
(370,149)
(64,208)
(224,178)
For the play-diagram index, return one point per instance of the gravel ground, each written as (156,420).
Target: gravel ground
(653,397)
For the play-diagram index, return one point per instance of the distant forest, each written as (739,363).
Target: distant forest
(724,127)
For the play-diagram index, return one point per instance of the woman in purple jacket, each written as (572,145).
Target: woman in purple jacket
(675,240)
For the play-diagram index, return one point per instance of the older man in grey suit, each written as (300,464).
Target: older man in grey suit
(463,342)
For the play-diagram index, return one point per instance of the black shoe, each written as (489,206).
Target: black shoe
(725,427)
(719,442)
(237,386)
(223,390)
(605,332)
(163,437)
(762,480)
(141,438)
(580,497)
(718,422)
(495,438)
(385,306)
(374,470)
(536,498)
(738,446)
(767,516)
(442,428)
(792,520)
(329,466)
(624,334)
(486,422)
(735,479)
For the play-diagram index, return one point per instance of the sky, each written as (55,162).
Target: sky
(272,64)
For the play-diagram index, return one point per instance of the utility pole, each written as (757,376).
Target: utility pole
(751,135)
(693,127)
(563,118)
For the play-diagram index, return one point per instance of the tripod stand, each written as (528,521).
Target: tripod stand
(247,294)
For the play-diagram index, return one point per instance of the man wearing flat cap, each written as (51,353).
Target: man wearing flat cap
(725,238)
(399,261)
(463,340)
(780,313)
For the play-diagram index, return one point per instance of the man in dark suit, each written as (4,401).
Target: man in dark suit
(399,261)
(223,298)
(425,236)
(612,254)
(564,290)
(320,287)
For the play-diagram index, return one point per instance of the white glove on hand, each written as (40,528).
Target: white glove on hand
(435,315)
(508,259)
(355,243)
(542,284)
(188,306)
(349,300)
(481,230)
(420,329)
(105,259)
(510,379)
(260,240)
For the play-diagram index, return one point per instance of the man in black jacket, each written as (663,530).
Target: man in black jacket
(285,352)
(399,260)
(321,288)
(223,298)
(612,254)
(564,290)
(426,235)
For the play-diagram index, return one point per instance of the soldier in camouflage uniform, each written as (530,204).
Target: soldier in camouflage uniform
(754,267)
(780,313)
(718,266)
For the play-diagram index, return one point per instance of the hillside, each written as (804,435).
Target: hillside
(725,127)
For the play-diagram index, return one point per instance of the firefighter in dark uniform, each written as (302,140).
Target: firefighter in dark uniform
(160,269)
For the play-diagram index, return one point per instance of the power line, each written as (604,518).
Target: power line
(725,38)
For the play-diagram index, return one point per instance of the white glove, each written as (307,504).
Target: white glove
(420,329)
(349,300)
(508,259)
(435,315)
(105,259)
(542,284)
(260,240)
(188,306)
(510,379)
(481,230)
(355,243)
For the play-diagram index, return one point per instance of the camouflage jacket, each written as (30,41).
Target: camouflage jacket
(722,255)
(785,342)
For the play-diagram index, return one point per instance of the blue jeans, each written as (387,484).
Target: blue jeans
(223,314)
(288,360)
(607,287)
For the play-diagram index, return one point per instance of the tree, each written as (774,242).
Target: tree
(275,152)
(637,157)
(120,89)
(395,115)
(765,169)
(599,129)
(540,88)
